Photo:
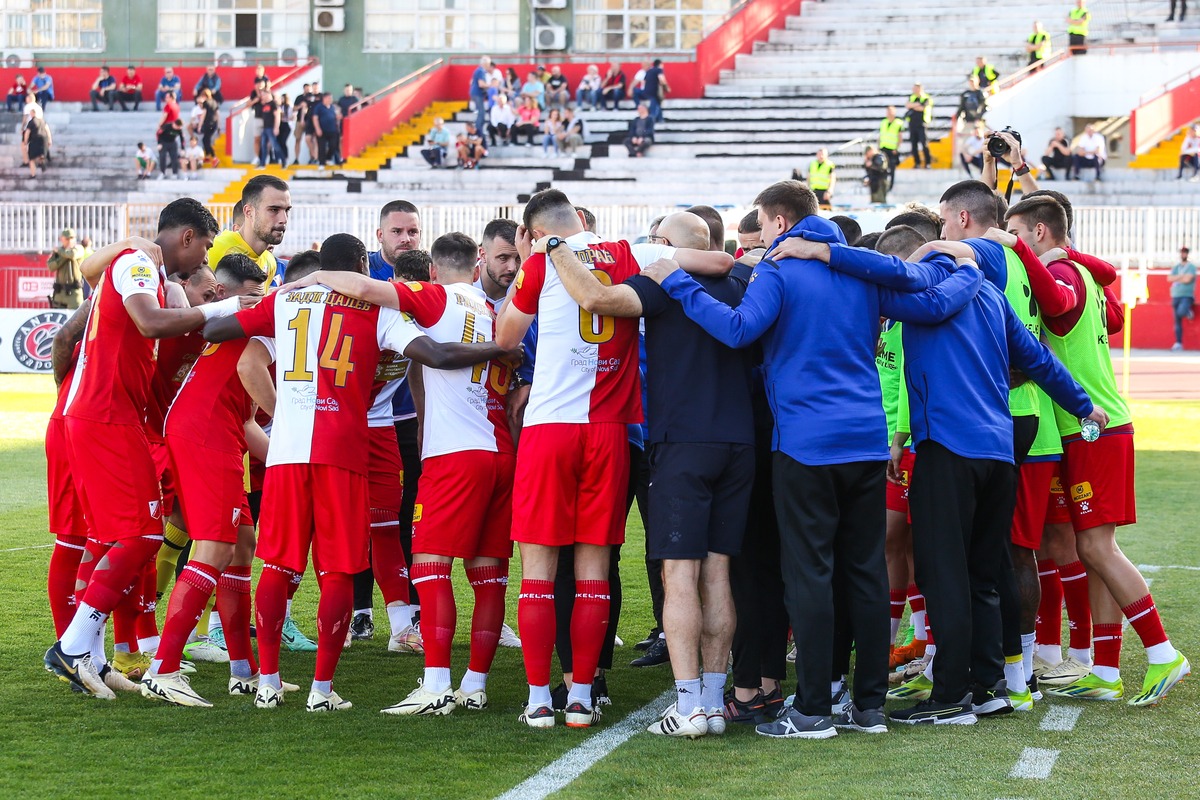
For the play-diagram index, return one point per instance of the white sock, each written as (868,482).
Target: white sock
(240,668)
(437,679)
(77,638)
(473,682)
(539,695)
(1050,653)
(121,647)
(156,666)
(324,687)
(918,623)
(895,629)
(582,693)
(270,679)
(1109,674)
(149,645)
(1163,653)
(1084,656)
(930,650)
(687,695)
(370,612)
(1028,642)
(712,691)
(289,609)
(214,621)
(400,617)
(1014,675)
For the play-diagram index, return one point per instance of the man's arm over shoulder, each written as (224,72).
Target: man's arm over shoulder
(588,291)
(890,271)
(1039,363)
(736,327)
(935,304)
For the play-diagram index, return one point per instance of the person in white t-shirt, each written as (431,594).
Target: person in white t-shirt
(196,121)
(193,159)
(1090,151)
(145,161)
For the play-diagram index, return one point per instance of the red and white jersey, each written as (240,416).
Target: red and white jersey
(587,365)
(389,376)
(112,379)
(60,402)
(212,405)
(175,359)
(326,353)
(458,403)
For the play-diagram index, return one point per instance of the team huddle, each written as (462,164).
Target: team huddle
(918,408)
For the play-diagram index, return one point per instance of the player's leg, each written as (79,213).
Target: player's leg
(147,625)
(536,622)
(1059,543)
(233,603)
(60,582)
(390,571)
(896,548)
(1033,494)
(67,525)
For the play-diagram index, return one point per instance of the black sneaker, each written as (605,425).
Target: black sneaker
(750,712)
(655,654)
(873,720)
(362,627)
(558,697)
(991,702)
(772,705)
(933,712)
(794,725)
(649,640)
(600,691)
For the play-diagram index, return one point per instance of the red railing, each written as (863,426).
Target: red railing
(73,81)
(381,111)
(279,79)
(1163,111)
(744,26)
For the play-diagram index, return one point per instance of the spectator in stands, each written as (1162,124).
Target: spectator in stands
(42,87)
(104,90)
(325,124)
(511,84)
(470,146)
(821,178)
(589,89)
(261,83)
(212,81)
(16,94)
(170,138)
(438,140)
(286,115)
(500,120)
(877,174)
(528,117)
(919,113)
(985,72)
(193,159)
(314,101)
(1077,28)
(1057,155)
(212,121)
(1038,44)
(535,89)
(65,263)
(550,132)
(570,136)
(347,101)
(195,119)
(1182,11)
(303,120)
(129,89)
(1189,153)
(613,87)
(972,105)
(169,82)
(145,161)
(481,78)
(971,150)
(1090,150)
(656,88)
(641,132)
(36,138)
(638,89)
(543,74)
(170,110)
(268,140)
(31,110)
(494,90)
(1183,294)
(558,91)
(891,133)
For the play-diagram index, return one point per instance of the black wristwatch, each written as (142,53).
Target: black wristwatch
(1024,170)
(553,242)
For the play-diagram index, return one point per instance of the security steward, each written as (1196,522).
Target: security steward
(821,178)
(891,130)
(1077,28)
(920,114)
(68,280)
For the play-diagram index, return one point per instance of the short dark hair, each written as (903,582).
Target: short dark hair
(546,204)
(749,223)
(238,216)
(252,192)
(455,251)
(506,229)
(868,240)
(850,229)
(412,265)
(899,240)
(1044,210)
(1063,201)
(589,219)
(658,62)
(303,263)
(237,268)
(715,222)
(343,252)
(396,207)
(974,197)
(106,69)
(188,212)
(791,200)
(919,222)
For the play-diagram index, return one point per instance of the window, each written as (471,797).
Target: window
(52,24)
(645,24)
(218,24)
(482,26)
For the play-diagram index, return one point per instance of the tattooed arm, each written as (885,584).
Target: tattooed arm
(69,335)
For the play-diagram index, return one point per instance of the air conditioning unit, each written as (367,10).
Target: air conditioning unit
(329,2)
(18,59)
(550,37)
(229,58)
(549,3)
(291,56)
(329,19)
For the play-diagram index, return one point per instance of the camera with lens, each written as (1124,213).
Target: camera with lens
(997,146)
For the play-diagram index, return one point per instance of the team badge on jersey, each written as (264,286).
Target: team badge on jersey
(237,514)
(155,509)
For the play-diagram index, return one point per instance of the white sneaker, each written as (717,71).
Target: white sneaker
(319,701)
(716,720)
(539,716)
(1041,666)
(409,641)
(204,650)
(423,703)
(249,685)
(267,696)
(1176,346)
(508,637)
(672,723)
(475,701)
(1065,672)
(114,680)
(173,688)
(90,676)
(618,641)
(580,716)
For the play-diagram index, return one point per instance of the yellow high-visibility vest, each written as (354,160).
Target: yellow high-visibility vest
(819,175)
(1079,21)
(889,133)
(927,101)
(1042,40)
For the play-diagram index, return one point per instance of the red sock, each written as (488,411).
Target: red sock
(93,551)
(333,617)
(233,604)
(490,585)
(1049,616)
(535,620)
(898,600)
(60,581)
(270,604)
(438,614)
(387,557)
(1108,644)
(125,560)
(1079,609)
(189,597)
(915,599)
(1143,616)
(589,625)
(125,618)
(147,623)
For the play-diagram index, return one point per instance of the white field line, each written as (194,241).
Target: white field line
(34,547)
(1061,718)
(579,759)
(1159,567)
(1035,763)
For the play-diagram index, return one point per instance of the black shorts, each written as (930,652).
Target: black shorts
(699,498)
(309,128)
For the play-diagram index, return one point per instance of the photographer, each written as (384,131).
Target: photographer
(1005,147)
(877,175)
(1057,155)
(68,280)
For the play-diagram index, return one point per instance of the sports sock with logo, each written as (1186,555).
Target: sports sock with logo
(112,577)
(1143,616)
(1107,638)
(589,625)
(1014,674)
(438,622)
(712,692)
(202,622)
(1079,608)
(195,586)
(167,559)
(916,602)
(124,619)
(898,601)
(536,622)
(687,695)
(1028,641)
(270,602)
(490,585)
(60,580)
(233,603)
(1049,616)
(147,622)
(333,617)
(387,557)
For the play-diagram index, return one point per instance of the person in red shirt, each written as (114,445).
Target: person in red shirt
(170,111)
(129,89)
(16,94)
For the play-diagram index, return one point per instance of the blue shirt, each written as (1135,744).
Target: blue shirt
(169,84)
(213,84)
(819,329)
(380,269)
(43,83)
(402,402)
(327,117)
(480,74)
(107,83)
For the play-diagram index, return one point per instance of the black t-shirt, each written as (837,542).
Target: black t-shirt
(699,388)
(557,82)
(211,110)
(345,102)
(652,76)
(312,100)
(972,104)
(266,112)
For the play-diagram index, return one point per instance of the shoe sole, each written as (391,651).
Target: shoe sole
(1103,698)
(871,729)
(192,702)
(424,711)
(922,695)
(992,708)
(1062,681)
(965,719)
(825,734)
(537,723)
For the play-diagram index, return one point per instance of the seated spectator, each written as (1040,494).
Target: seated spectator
(470,146)
(169,82)
(145,161)
(1057,155)
(500,120)
(971,151)
(528,122)
(438,140)
(511,85)
(15,99)
(638,87)
(558,93)
(196,120)
(1189,153)
(212,81)
(494,91)
(42,87)
(589,89)
(129,89)
(551,131)
(612,89)
(193,159)
(534,88)
(543,74)
(641,132)
(104,90)
(1090,151)
(570,135)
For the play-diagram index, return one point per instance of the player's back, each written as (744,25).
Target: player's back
(175,359)
(212,405)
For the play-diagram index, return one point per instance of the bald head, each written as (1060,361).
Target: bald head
(686,230)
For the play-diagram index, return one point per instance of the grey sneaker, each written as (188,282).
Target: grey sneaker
(840,701)
(794,725)
(873,720)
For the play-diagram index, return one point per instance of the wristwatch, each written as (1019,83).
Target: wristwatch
(1022,170)
(553,242)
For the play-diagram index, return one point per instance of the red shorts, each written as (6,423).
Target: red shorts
(897,494)
(1057,512)
(386,481)
(116,479)
(464,505)
(1033,489)
(166,476)
(66,509)
(1098,477)
(318,505)
(258,472)
(213,487)
(573,479)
